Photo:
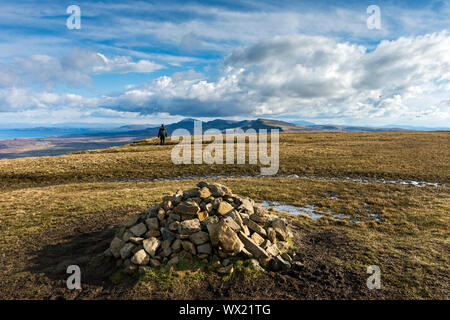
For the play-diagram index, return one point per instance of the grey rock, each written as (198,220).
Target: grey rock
(140,258)
(143,269)
(127,235)
(136,240)
(273,250)
(167,234)
(191,193)
(252,247)
(174,217)
(224,208)
(278,263)
(231,223)
(189,226)
(204,193)
(151,245)
(199,237)
(280,228)
(174,260)
(205,248)
(132,268)
(252,225)
(246,205)
(257,238)
(189,207)
(116,245)
(297,265)
(126,250)
(161,214)
(271,235)
(173,226)
(138,229)
(154,263)
(165,244)
(218,190)
(189,247)
(152,223)
(166,252)
(227,238)
(176,245)
(130,221)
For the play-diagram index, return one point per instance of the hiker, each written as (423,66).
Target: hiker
(162,134)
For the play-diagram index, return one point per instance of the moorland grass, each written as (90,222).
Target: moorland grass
(423,156)
(410,241)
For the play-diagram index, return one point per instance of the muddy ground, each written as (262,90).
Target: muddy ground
(38,269)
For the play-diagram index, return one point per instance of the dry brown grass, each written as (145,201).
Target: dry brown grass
(410,242)
(394,155)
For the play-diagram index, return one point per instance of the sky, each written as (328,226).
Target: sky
(152,62)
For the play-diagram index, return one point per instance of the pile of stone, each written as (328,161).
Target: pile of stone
(208,222)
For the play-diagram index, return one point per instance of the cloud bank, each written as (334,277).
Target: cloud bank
(309,76)
(313,77)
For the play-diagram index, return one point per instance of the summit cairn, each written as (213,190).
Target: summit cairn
(208,222)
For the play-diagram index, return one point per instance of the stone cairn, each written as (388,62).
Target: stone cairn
(207,222)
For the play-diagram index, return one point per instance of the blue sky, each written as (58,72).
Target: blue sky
(161,61)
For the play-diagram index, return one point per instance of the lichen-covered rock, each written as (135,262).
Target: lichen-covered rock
(189,227)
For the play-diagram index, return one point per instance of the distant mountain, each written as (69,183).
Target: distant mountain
(416,128)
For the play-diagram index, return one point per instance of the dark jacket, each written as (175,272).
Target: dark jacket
(162,132)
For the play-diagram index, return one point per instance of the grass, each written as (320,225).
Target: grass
(410,242)
(166,277)
(242,267)
(393,155)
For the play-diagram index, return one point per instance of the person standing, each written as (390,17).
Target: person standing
(162,134)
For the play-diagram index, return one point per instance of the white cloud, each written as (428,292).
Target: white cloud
(19,99)
(75,69)
(312,77)
(309,76)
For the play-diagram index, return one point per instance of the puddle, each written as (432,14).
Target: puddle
(308,209)
(314,213)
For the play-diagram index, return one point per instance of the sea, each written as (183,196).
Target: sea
(37,133)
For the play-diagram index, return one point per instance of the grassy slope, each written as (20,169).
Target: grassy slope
(410,243)
(408,155)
